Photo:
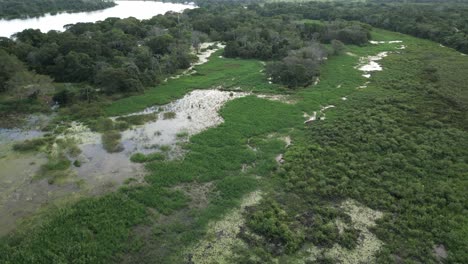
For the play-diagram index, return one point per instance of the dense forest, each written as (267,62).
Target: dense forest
(443,23)
(128,55)
(10,9)
(395,143)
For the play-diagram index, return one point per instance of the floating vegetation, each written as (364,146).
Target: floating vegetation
(31,144)
(169,115)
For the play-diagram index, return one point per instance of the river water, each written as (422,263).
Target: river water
(123,9)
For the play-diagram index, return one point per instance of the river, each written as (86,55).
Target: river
(123,9)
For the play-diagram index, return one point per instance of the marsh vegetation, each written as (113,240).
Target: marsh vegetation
(242,160)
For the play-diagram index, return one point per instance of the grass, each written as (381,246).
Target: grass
(31,144)
(182,135)
(224,72)
(137,120)
(142,158)
(55,170)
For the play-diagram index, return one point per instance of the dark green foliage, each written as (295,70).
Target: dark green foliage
(77,163)
(169,115)
(337,47)
(162,199)
(59,164)
(90,231)
(395,150)
(138,119)
(272,222)
(233,188)
(111,141)
(9,66)
(104,124)
(299,68)
(441,22)
(141,158)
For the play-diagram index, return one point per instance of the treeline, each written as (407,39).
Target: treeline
(117,55)
(11,9)
(419,1)
(443,22)
(128,55)
(292,45)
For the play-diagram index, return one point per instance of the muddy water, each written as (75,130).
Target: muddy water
(16,172)
(194,113)
(100,171)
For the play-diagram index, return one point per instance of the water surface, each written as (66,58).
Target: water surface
(123,9)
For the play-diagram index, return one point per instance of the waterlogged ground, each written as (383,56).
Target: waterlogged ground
(190,115)
(101,171)
(22,193)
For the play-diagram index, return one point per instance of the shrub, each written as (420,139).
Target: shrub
(271,221)
(169,115)
(138,119)
(111,141)
(30,144)
(141,158)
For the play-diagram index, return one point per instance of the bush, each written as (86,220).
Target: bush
(111,141)
(30,144)
(141,158)
(138,119)
(169,115)
(271,221)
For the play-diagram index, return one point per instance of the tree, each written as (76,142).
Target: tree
(25,84)
(114,80)
(9,66)
(337,47)
(74,67)
(160,44)
(299,68)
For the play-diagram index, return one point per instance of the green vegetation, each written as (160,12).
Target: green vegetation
(31,144)
(141,158)
(29,8)
(111,141)
(55,170)
(169,115)
(441,21)
(182,135)
(391,147)
(106,221)
(161,199)
(137,120)
(218,72)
